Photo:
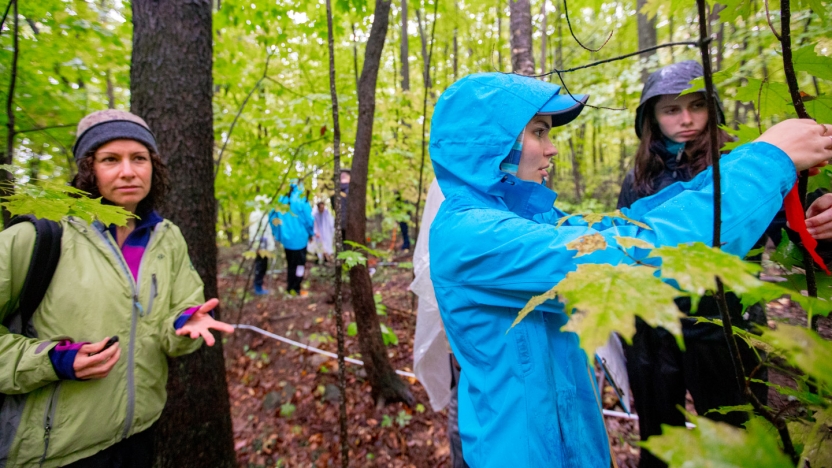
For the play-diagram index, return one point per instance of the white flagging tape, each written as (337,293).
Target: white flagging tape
(310,348)
(610,413)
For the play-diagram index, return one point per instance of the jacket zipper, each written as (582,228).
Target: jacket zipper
(137,311)
(49,420)
(678,158)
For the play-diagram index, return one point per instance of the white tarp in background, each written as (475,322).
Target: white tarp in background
(431,352)
(614,363)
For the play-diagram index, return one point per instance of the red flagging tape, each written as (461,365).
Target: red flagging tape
(797,221)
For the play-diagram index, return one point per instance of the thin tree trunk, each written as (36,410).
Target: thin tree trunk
(720,34)
(336,176)
(111,96)
(8,189)
(387,387)
(171,88)
(576,156)
(646,36)
(424,40)
(543,37)
(416,217)
(499,12)
(355,55)
(456,45)
(522,60)
(559,29)
(622,159)
(404,53)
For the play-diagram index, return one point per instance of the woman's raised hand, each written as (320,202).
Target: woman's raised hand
(93,363)
(201,324)
(807,143)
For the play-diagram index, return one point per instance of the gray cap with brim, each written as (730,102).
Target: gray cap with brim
(672,79)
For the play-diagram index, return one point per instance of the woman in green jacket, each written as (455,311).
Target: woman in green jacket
(69,399)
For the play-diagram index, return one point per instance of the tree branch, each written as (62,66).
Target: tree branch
(5,15)
(621,57)
(569,23)
(240,111)
(48,127)
(770,24)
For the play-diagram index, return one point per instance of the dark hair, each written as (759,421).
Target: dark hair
(648,164)
(85,180)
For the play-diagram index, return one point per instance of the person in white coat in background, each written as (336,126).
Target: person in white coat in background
(433,362)
(324,232)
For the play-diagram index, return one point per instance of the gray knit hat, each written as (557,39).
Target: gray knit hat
(104,126)
(672,79)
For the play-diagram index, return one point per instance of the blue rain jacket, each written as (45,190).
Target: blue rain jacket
(527,398)
(294,227)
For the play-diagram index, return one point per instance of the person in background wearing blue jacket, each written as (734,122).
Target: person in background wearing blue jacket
(526,394)
(293,228)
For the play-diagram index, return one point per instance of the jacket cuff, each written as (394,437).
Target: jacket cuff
(63,358)
(776,161)
(185,316)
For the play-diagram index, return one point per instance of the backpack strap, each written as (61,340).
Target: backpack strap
(44,262)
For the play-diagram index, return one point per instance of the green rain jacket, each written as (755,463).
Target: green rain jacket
(47,422)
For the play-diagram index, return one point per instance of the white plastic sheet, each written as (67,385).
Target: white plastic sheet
(614,364)
(431,352)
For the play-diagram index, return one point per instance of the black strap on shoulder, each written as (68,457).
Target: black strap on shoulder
(45,257)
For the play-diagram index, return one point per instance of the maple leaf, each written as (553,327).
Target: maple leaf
(695,268)
(719,444)
(585,245)
(608,298)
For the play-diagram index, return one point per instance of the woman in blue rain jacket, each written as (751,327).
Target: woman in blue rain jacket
(526,395)
(293,228)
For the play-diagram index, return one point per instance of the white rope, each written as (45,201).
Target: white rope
(610,413)
(310,348)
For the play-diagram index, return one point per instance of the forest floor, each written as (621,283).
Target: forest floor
(284,400)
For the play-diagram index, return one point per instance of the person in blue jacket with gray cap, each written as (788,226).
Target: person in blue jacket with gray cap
(526,394)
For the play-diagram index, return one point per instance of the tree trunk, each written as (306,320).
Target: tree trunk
(8,189)
(424,39)
(111,96)
(171,86)
(456,45)
(499,12)
(543,37)
(559,29)
(386,386)
(355,55)
(576,154)
(522,60)
(646,36)
(713,19)
(404,55)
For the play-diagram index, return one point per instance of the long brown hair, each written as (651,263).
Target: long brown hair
(85,180)
(648,164)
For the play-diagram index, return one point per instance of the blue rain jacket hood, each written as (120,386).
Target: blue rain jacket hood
(293,227)
(527,396)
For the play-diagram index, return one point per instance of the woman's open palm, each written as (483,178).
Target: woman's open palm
(201,323)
